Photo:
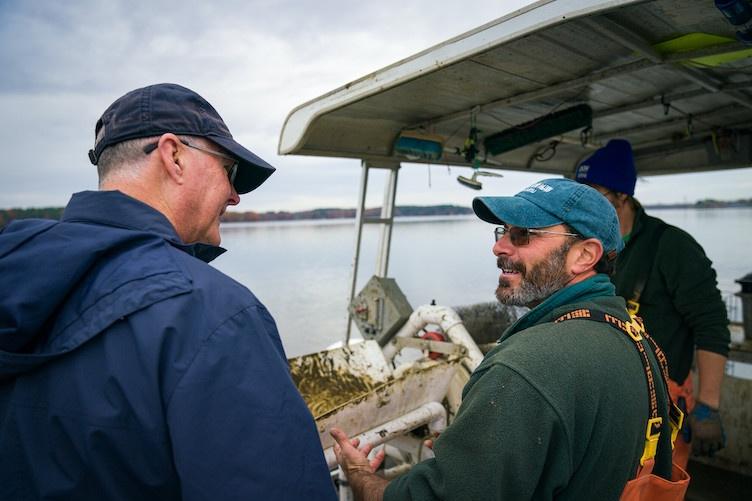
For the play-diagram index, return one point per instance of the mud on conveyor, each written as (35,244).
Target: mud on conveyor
(329,379)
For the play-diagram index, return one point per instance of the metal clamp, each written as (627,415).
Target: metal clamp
(442,347)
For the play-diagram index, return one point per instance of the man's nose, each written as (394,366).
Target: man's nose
(503,246)
(234,197)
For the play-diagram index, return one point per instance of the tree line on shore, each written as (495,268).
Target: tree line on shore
(338,213)
(7,215)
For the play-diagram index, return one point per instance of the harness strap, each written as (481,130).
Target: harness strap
(633,303)
(635,331)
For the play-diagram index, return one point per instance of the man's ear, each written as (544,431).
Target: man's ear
(584,255)
(170,151)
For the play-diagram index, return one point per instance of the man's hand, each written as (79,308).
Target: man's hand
(358,469)
(428,443)
(707,430)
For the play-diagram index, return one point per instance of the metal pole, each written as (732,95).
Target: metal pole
(360,213)
(387,217)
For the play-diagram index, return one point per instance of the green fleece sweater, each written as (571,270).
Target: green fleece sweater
(680,303)
(554,411)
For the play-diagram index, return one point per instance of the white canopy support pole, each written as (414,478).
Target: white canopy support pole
(385,220)
(360,212)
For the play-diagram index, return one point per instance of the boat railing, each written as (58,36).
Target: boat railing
(733,305)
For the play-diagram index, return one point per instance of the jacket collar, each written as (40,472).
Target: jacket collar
(595,286)
(114,208)
(639,216)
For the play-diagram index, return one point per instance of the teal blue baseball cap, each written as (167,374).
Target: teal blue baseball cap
(555,201)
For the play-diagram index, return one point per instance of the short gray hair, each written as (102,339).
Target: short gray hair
(128,154)
(123,154)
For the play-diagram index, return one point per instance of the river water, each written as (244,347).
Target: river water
(301,270)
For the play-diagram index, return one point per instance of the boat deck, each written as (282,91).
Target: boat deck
(711,483)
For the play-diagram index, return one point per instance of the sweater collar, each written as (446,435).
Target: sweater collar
(637,223)
(595,286)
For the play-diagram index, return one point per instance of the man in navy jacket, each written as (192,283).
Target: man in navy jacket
(130,368)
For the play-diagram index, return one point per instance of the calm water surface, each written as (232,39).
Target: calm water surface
(301,269)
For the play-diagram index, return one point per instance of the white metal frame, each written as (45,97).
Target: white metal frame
(533,17)
(386,221)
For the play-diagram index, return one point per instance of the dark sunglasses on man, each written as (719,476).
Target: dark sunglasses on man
(521,236)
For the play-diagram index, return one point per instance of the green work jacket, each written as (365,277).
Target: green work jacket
(553,411)
(680,303)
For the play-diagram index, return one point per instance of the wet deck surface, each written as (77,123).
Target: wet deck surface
(710,483)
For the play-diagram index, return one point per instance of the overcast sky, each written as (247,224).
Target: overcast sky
(64,62)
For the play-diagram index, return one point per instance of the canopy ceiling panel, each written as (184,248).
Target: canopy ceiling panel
(685,106)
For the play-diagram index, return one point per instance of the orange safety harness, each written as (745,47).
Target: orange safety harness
(647,485)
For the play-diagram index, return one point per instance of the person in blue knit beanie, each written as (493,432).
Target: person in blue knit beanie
(667,279)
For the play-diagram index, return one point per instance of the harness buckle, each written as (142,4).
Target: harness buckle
(652,432)
(676,421)
(633,307)
(634,328)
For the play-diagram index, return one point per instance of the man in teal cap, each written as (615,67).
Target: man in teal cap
(669,282)
(539,414)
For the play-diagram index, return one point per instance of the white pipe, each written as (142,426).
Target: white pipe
(396,471)
(432,413)
(449,321)
(345,491)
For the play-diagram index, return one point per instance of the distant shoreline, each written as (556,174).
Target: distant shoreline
(7,215)
(704,204)
(334,213)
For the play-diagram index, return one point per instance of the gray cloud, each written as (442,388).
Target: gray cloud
(65,62)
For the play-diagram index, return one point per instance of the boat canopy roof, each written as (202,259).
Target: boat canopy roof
(539,89)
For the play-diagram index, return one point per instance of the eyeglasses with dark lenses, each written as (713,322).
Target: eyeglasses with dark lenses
(521,236)
(232,170)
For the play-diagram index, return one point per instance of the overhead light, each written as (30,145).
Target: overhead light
(472,181)
(541,128)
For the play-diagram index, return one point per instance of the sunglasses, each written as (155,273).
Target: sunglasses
(521,236)
(232,170)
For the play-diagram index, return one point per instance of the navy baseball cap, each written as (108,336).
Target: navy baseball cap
(612,167)
(162,108)
(556,201)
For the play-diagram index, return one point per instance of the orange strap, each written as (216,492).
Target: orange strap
(686,390)
(682,448)
(649,487)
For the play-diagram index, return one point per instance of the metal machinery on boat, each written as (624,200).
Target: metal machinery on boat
(536,90)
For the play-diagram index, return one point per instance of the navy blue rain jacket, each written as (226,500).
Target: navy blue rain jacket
(130,369)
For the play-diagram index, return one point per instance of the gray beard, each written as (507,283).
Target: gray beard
(537,284)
